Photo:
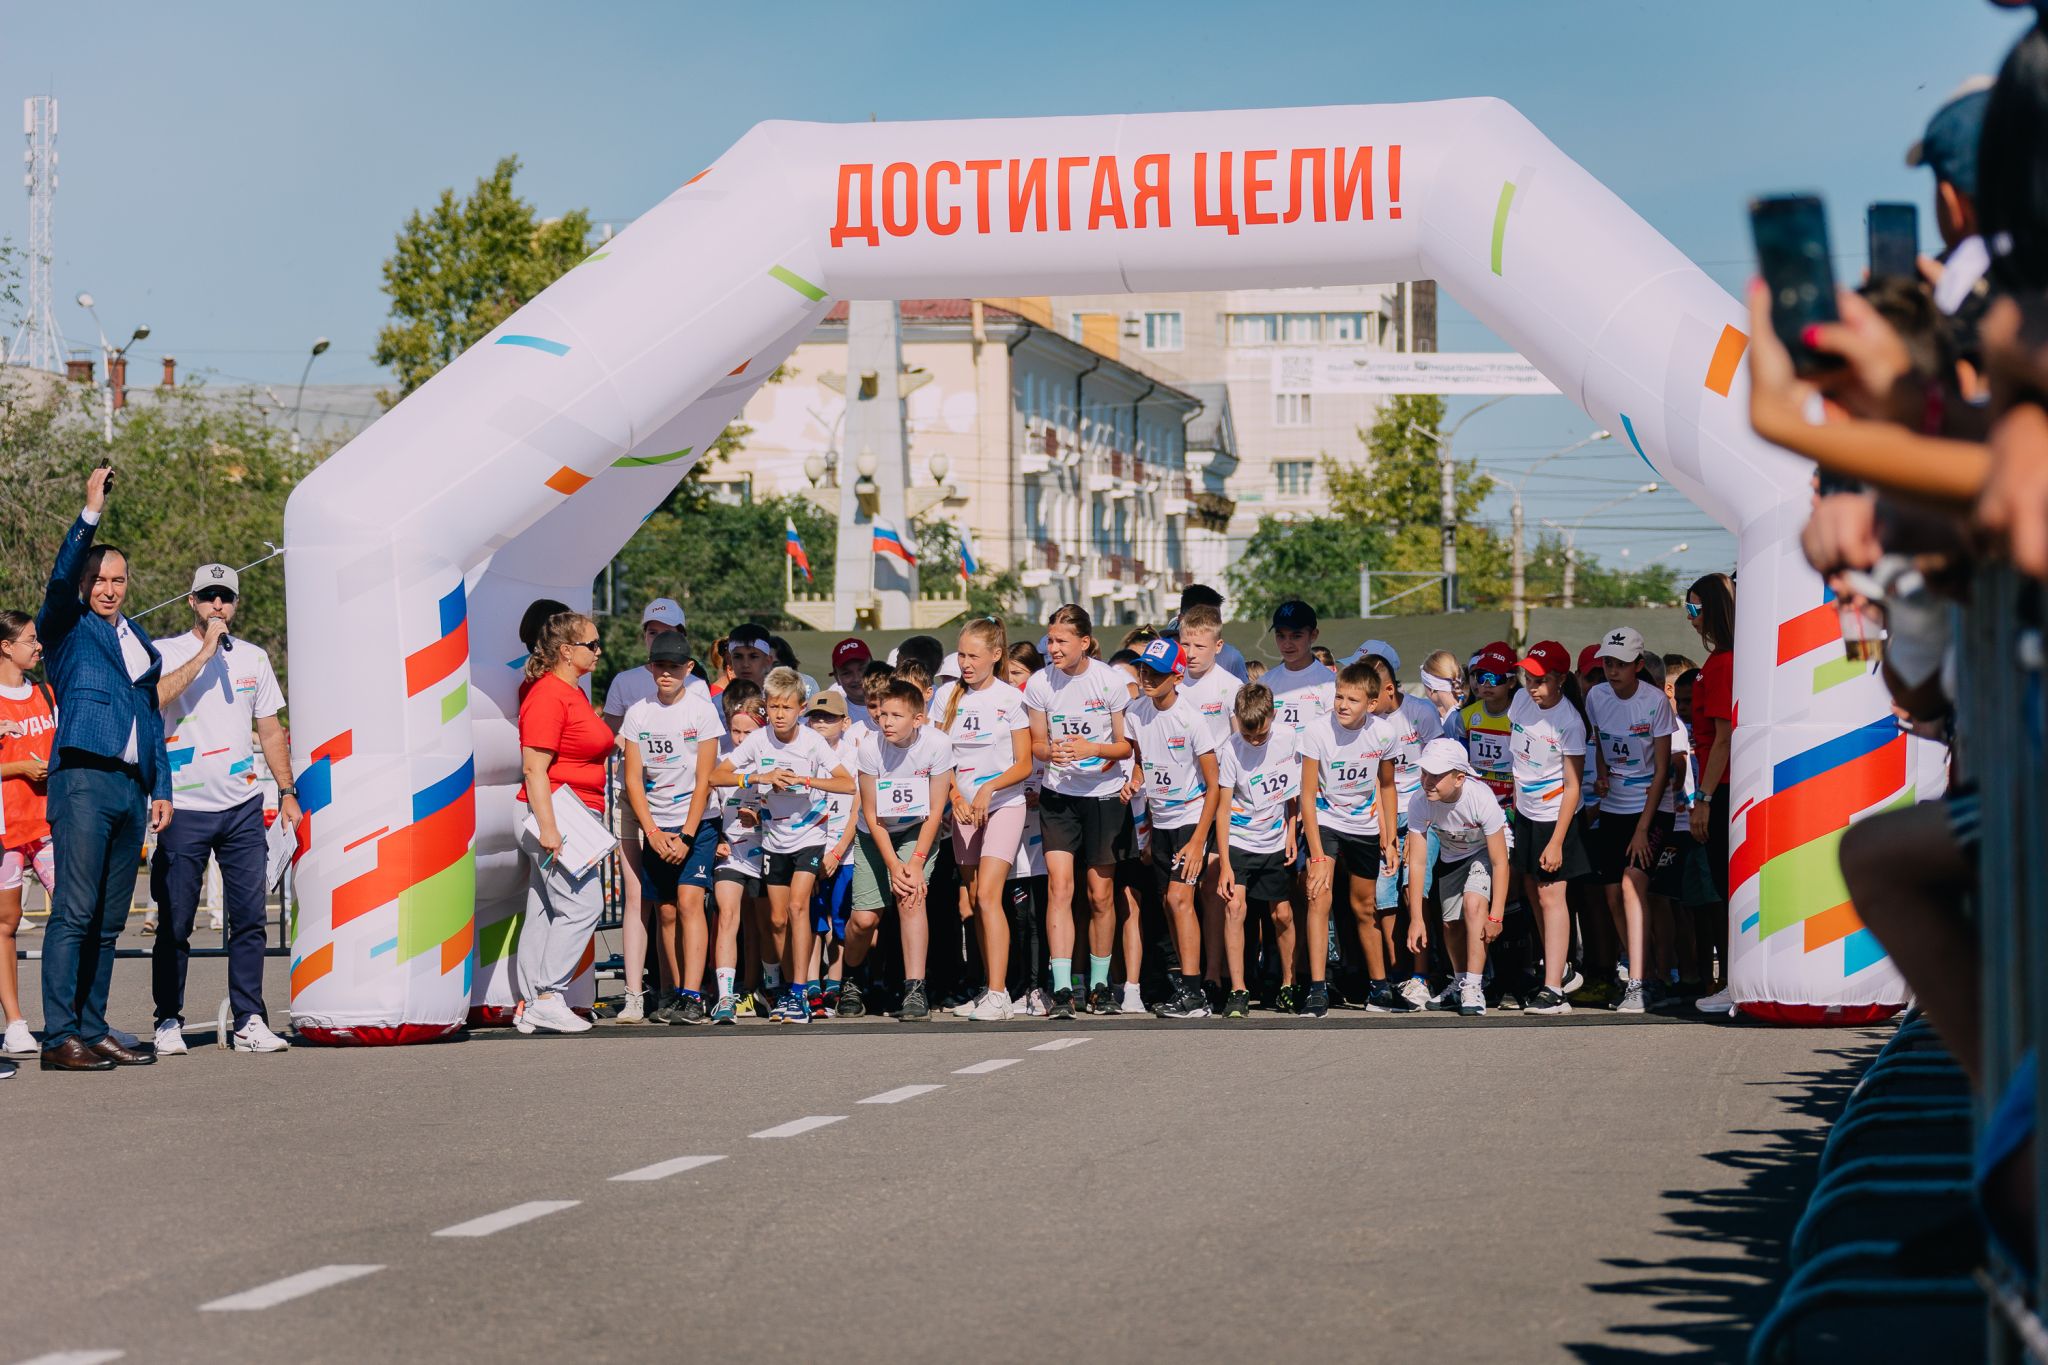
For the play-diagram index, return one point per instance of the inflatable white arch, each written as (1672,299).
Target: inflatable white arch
(521,468)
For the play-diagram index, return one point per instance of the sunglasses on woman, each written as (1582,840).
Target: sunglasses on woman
(1692,611)
(592,645)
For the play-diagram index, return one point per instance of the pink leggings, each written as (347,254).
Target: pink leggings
(998,837)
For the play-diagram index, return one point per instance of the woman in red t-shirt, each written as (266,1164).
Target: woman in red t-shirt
(28,729)
(562,743)
(1710,603)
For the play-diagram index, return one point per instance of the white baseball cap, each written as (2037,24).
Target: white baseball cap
(1624,643)
(216,576)
(665,610)
(1442,756)
(1381,648)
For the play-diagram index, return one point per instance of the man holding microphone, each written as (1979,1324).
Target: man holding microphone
(108,780)
(215,691)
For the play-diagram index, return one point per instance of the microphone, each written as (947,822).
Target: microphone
(227,643)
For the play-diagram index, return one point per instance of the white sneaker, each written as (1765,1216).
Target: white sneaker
(993,1007)
(552,1014)
(519,1020)
(170,1039)
(1720,1002)
(634,1011)
(966,1009)
(29,926)
(1471,999)
(255,1036)
(19,1041)
(1415,993)
(1574,981)
(1034,1005)
(1133,1001)
(214,921)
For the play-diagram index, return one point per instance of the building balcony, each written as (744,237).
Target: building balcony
(1033,463)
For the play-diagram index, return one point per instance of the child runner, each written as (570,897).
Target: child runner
(1076,707)
(1443,684)
(906,779)
(796,770)
(984,718)
(1139,912)
(1548,746)
(1471,891)
(1303,687)
(850,660)
(1347,779)
(1212,690)
(1483,723)
(1417,723)
(1633,725)
(671,750)
(827,714)
(1025,894)
(737,885)
(28,729)
(1176,769)
(1259,769)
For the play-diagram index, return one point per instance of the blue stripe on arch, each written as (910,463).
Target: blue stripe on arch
(454,609)
(536,343)
(1859,950)
(1629,429)
(1834,753)
(446,791)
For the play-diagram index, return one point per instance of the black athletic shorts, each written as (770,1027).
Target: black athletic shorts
(1265,877)
(1532,837)
(1356,854)
(1096,830)
(1610,841)
(749,886)
(778,868)
(1167,845)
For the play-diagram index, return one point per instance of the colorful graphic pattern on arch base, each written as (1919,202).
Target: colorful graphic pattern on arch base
(519,470)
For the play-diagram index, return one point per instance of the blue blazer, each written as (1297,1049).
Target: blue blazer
(97,703)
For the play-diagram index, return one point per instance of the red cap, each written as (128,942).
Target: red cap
(1589,659)
(852,649)
(1546,657)
(1495,658)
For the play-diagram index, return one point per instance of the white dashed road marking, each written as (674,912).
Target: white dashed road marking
(289,1288)
(983,1068)
(662,1170)
(1059,1044)
(901,1093)
(76,1358)
(798,1126)
(508,1218)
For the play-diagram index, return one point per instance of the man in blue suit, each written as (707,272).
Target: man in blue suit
(108,780)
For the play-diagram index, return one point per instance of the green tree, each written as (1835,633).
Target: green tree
(463,267)
(990,592)
(1315,559)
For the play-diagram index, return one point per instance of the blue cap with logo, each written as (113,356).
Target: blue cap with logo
(1161,655)
(1949,146)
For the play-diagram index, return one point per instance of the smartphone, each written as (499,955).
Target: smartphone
(108,465)
(1894,241)
(1791,232)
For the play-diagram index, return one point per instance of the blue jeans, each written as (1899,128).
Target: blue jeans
(97,817)
(177,874)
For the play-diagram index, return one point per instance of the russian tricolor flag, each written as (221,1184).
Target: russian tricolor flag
(968,566)
(795,545)
(890,545)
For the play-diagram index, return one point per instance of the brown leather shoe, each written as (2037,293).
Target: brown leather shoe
(72,1055)
(121,1056)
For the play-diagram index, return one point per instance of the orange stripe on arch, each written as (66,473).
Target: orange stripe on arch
(566,480)
(1727,355)
(1820,805)
(408,858)
(457,947)
(428,666)
(698,176)
(1831,926)
(312,967)
(1808,631)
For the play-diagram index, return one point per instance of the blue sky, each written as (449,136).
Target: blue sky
(233,172)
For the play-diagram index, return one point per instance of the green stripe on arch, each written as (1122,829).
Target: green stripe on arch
(798,283)
(641,461)
(454,703)
(1500,220)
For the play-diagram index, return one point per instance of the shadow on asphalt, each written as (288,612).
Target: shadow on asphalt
(1725,1273)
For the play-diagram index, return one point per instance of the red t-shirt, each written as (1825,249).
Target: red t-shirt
(26,803)
(1713,705)
(556,716)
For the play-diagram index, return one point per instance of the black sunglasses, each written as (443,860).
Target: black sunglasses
(213,595)
(593,646)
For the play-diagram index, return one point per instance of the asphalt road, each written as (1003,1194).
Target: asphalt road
(1512,1189)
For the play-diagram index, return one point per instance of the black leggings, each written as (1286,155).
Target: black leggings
(1710,922)
(1030,957)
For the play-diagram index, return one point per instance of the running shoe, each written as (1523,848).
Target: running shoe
(170,1038)
(1102,1000)
(726,1011)
(814,998)
(851,1005)
(1033,1004)
(1445,999)
(1546,1001)
(21,1043)
(1416,992)
(1471,999)
(1062,1006)
(768,1003)
(743,1006)
(519,1019)
(1573,981)
(993,1007)
(1631,1001)
(1238,1005)
(798,1007)
(686,1009)
(966,1009)
(255,1036)
(916,1006)
(1287,1000)
(1133,1001)
(832,995)
(634,1010)
(1189,1002)
(1384,999)
(1720,1002)
(1316,1003)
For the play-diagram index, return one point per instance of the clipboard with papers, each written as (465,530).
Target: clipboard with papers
(585,840)
(281,842)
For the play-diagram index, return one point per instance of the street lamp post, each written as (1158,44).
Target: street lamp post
(1520,619)
(1571,536)
(108,355)
(1447,507)
(319,348)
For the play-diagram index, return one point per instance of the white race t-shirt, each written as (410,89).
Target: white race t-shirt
(1260,779)
(669,738)
(1170,745)
(1462,825)
(840,811)
(983,749)
(1081,707)
(1214,696)
(208,728)
(1683,782)
(1301,697)
(637,685)
(1628,732)
(1539,743)
(903,775)
(1348,771)
(795,818)
(742,839)
(1417,723)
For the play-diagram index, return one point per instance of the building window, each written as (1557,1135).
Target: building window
(1162,331)
(1254,329)
(1300,327)
(1291,410)
(1296,477)
(1034,512)
(1344,326)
